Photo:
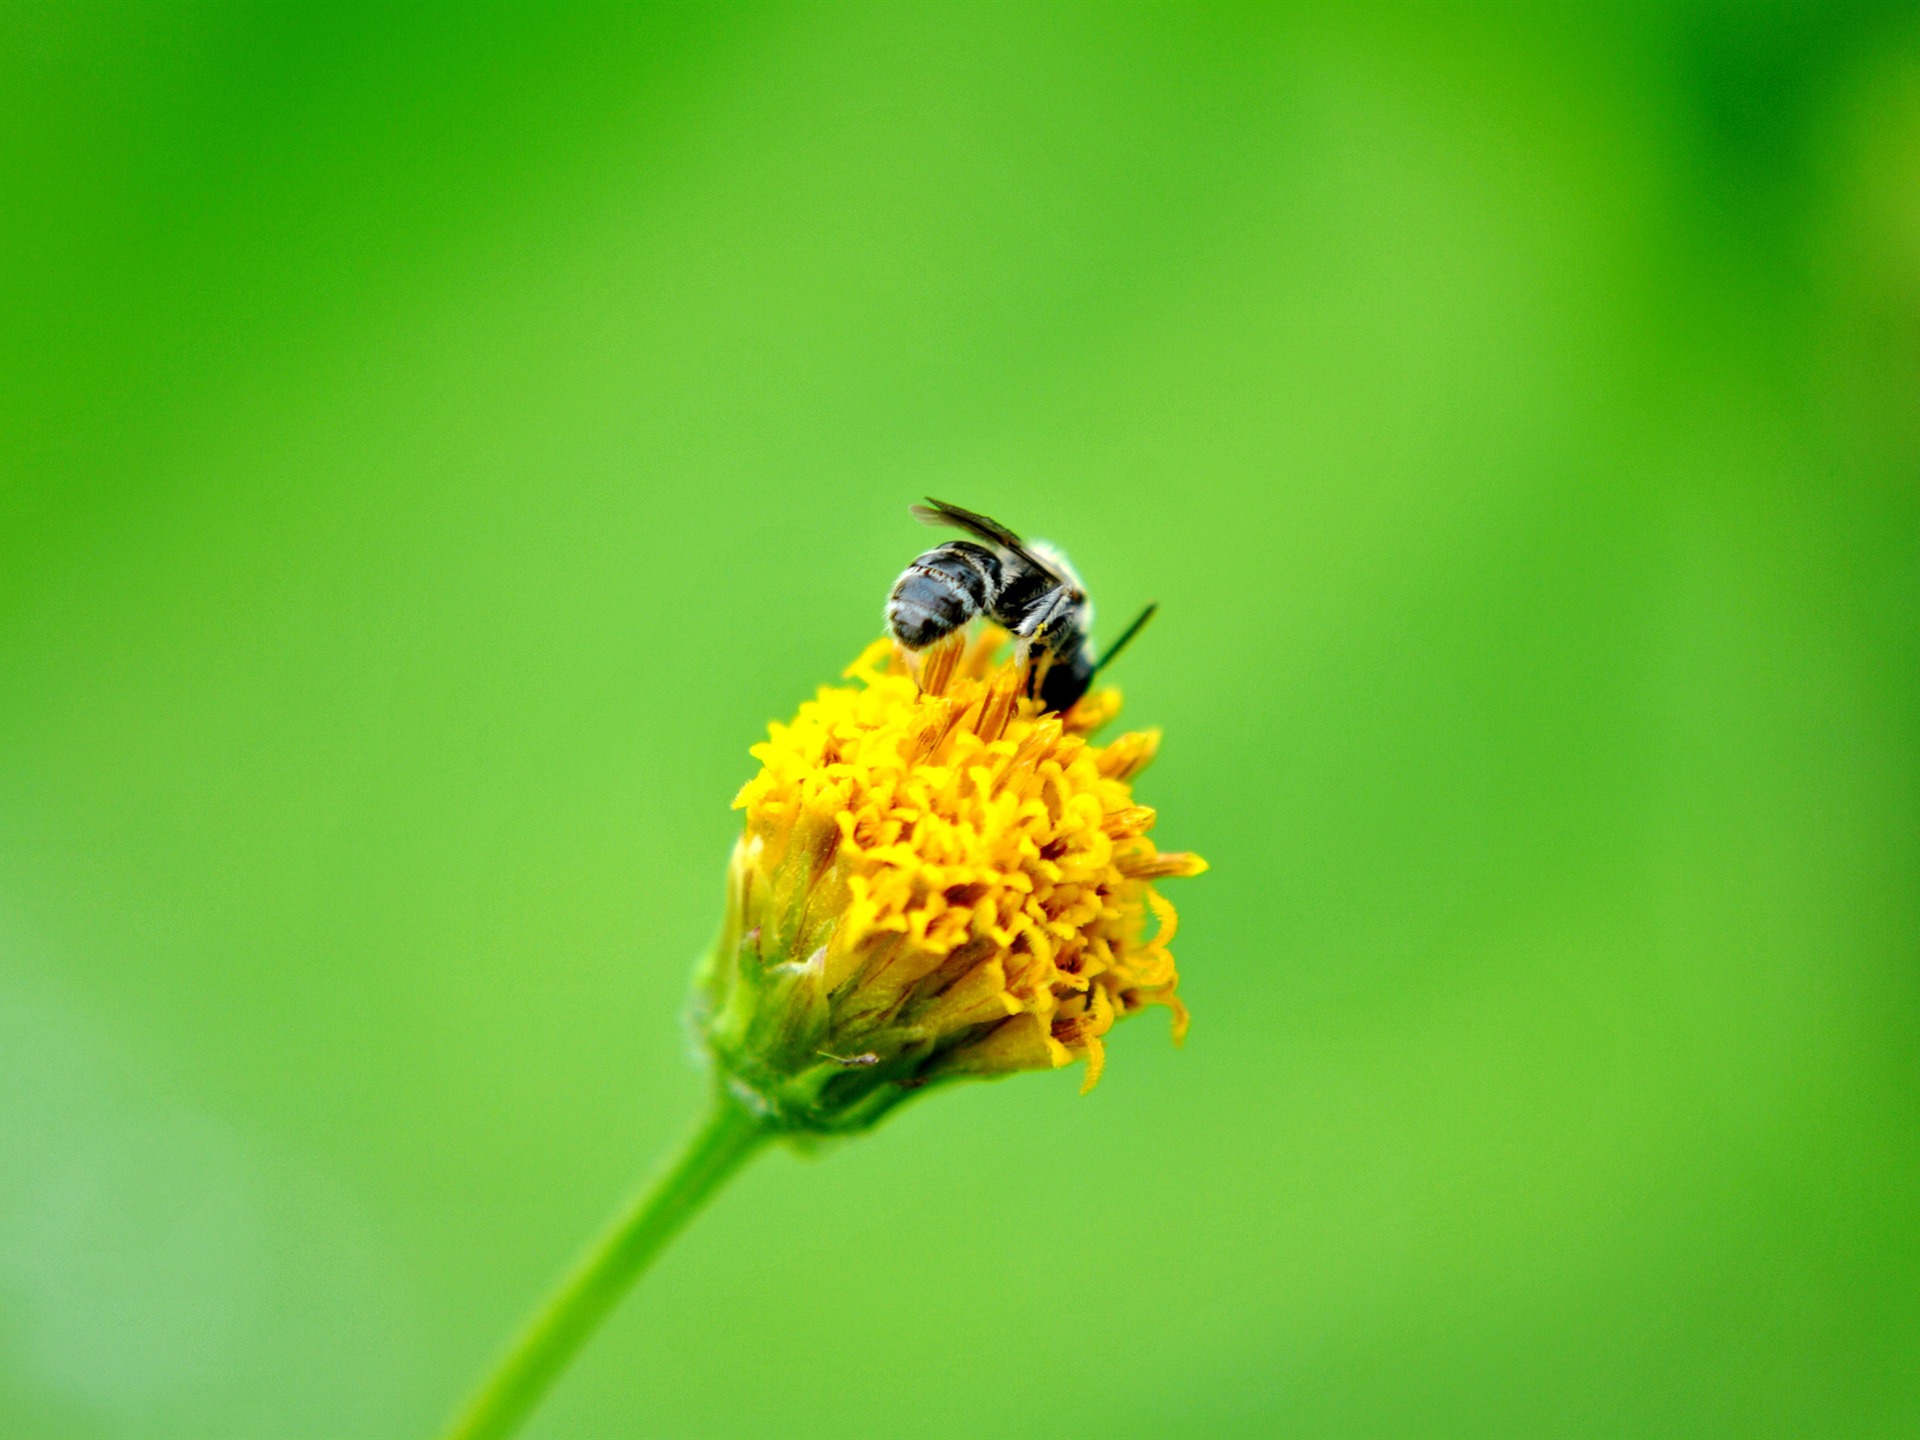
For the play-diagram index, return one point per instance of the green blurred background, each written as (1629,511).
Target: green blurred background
(435,441)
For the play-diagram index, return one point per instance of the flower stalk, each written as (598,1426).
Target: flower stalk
(729,1138)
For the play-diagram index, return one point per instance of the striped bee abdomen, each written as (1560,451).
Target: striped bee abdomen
(941,591)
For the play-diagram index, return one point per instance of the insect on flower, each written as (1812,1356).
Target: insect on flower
(1026,586)
(941,875)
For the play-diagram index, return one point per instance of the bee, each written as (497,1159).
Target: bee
(1026,586)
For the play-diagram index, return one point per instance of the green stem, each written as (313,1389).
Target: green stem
(604,1273)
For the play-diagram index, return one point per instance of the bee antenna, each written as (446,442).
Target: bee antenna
(1126,637)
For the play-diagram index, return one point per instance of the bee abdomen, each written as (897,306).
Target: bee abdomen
(941,591)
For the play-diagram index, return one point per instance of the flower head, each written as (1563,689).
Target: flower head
(934,886)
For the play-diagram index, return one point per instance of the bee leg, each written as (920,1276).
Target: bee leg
(1050,631)
(1036,659)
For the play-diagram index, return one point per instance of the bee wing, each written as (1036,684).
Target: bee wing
(939,512)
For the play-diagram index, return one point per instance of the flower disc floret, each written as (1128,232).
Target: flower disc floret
(934,886)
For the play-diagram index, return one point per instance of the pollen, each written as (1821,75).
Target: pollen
(966,879)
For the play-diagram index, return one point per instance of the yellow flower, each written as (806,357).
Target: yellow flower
(934,886)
